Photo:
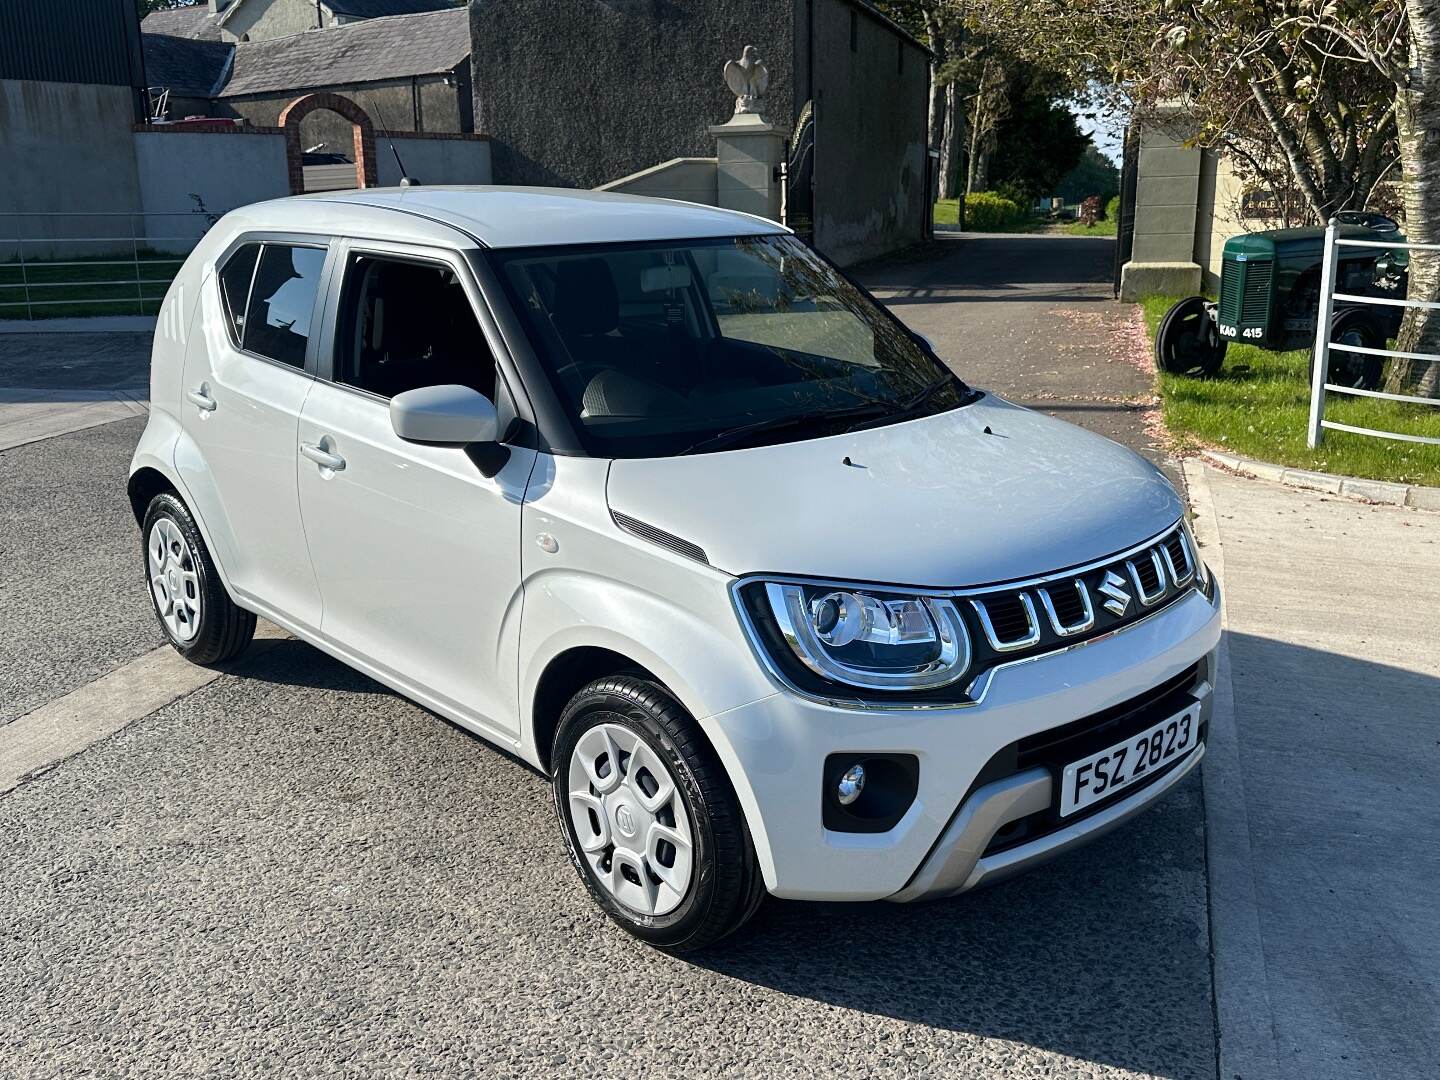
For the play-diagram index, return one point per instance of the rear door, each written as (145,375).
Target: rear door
(247,374)
(416,549)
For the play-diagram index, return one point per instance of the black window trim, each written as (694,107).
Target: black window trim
(286,239)
(453,259)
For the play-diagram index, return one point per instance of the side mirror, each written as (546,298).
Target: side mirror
(924,339)
(450,414)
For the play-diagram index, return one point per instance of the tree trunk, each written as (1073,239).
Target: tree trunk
(1417,116)
(936,123)
(950,140)
(977,176)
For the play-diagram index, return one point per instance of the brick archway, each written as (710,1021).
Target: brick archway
(301,107)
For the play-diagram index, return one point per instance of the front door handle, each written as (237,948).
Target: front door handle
(201,398)
(322,457)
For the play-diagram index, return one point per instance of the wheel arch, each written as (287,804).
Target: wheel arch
(563,677)
(144,484)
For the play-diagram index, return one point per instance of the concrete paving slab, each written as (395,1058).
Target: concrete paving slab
(30,414)
(1333,615)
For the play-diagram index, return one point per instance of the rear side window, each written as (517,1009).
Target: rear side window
(269,291)
(235,289)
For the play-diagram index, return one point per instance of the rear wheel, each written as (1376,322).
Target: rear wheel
(1355,327)
(649,817)
(1187,342)
(191,604)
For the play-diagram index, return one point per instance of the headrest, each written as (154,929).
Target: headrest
(585,297)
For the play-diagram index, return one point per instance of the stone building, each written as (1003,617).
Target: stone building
(408,72)
(261,20)
(588,93)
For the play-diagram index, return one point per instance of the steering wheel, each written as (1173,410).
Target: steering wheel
(1369,219)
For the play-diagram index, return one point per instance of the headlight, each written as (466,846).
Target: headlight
(878,640)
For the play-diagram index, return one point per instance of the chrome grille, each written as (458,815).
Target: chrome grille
(1096,599)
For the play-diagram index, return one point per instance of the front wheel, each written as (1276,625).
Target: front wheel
(649,817)
(201,621)
(1187,342)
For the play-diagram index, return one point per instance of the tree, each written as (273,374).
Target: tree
(1095,174)
(1345,89)
(981,78)
(145,7)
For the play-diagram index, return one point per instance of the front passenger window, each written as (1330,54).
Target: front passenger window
(407,324)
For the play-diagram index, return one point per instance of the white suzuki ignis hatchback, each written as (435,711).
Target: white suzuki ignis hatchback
(653,497)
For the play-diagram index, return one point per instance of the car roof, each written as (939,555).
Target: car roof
(505,217)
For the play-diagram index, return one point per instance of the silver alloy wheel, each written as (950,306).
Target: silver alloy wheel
(630,820)
(174,582)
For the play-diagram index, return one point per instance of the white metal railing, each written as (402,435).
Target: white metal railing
(1320,372)
(132,266)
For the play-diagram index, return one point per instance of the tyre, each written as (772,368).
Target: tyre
(1354,326)
(649,817)
(1187,342)
(191,604)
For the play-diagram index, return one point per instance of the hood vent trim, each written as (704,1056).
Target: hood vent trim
(645,531)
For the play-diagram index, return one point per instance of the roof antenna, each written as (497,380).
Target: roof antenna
(405,180)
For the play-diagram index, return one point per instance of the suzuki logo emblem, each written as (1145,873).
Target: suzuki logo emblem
(1113,586)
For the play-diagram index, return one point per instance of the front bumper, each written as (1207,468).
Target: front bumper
(947,841)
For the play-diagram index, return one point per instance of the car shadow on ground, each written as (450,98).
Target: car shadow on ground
(1101,956)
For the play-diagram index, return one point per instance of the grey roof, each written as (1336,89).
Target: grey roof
(394,47)
(184,66)
(194,21)
(378,9)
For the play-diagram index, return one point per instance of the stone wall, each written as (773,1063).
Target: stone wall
(65,147)
(871,97)
(422,103)
(577,93)
(226,168)
(260,20)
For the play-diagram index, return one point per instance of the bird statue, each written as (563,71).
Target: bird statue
(747,78)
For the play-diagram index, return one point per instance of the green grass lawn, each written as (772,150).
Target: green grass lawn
(1258,406)
(74,287)
(1106,227)
(947,212)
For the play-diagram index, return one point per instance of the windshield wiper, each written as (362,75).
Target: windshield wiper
(732,436)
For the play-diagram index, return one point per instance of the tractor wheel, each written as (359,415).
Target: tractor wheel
(1187,342)
(1355,326)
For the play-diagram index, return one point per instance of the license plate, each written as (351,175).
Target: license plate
(1091,779)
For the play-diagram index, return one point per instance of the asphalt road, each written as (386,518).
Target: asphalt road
(1032,317)
(292,870)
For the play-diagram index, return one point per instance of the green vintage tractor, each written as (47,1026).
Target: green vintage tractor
(1270,297)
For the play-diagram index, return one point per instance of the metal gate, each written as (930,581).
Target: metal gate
(797,178)
(1129,181)
(1320,373)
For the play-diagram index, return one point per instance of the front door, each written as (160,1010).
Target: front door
(416,550)
(245,380)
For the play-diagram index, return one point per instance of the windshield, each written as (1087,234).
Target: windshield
(689,346)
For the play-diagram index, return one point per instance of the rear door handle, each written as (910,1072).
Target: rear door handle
(322,457)
(201,399)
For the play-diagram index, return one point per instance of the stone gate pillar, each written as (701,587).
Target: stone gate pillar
(748,148)
(1167,211)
